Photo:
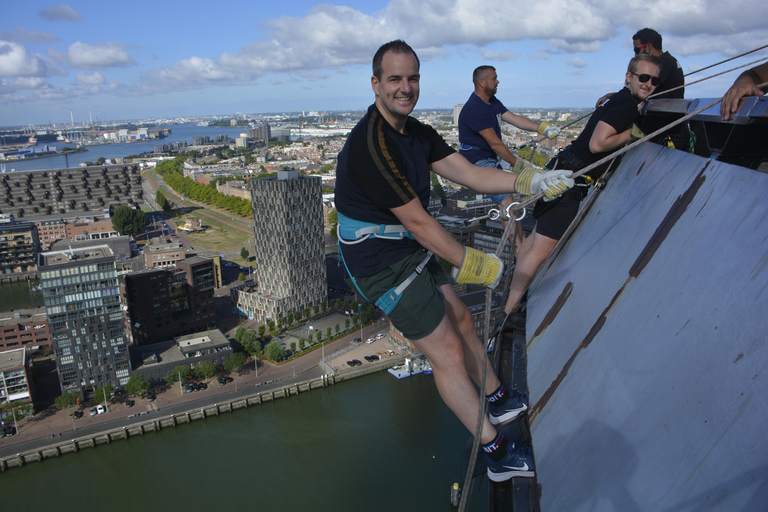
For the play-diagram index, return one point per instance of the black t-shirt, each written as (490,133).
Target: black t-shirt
(619,111)
(671,76)
(379,168)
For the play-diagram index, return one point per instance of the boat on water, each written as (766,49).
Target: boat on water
(412,366)
(645,337)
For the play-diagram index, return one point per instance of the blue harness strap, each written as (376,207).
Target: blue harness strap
(351,231)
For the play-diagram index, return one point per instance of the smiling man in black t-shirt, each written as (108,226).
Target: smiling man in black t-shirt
(383,183)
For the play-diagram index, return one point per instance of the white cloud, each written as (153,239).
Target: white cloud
(20,33)
(16,60)
(504,55)
(332,36)
(61,12)
(85,79)
(97,56)
(577,62)
(275,81)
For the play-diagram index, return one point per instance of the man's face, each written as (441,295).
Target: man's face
(398,90)
(646,48)
(491,80)
(641,90)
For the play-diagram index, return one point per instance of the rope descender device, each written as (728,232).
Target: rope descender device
(495,214)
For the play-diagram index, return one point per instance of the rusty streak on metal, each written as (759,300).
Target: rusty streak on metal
(596,327)
(677,210)
(554,310)
(640,169)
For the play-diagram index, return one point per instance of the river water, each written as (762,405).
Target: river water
(178,133)
(375,443)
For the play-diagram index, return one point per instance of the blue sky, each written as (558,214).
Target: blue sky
(136,59)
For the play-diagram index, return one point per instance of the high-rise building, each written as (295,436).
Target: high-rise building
(289,246)
(163,303)
(82,300)
(456,112)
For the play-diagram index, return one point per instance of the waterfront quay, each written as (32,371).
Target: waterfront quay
(53,433)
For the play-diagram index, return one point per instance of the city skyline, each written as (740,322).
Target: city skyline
(185,59)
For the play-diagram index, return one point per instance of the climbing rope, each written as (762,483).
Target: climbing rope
(726,60)
(764,59)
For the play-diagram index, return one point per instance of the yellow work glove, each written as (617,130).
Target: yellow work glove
(551,183)
(548,130)
(636,133)
(478,267)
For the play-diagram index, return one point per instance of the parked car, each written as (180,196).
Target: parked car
(100,409)
(350,363)
(129,403)
(358,340)
(368,358)
(77,414)
(374,358)
(150,398)
(357,362)
(222,381)
(10,430)
(370,340)
(202,385)
(189,388)
(92,411)
(379,336)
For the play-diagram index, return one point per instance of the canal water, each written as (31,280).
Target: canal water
(375,443)
(178,133)
(20,295)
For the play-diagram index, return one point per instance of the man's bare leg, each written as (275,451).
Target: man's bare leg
(445,350)
(533,252)
(474,350)
(515,236)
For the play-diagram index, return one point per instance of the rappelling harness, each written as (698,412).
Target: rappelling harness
(352,231)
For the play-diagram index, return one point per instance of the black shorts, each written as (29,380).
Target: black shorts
(554,217)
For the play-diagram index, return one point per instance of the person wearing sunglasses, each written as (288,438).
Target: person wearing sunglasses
(648,42)
(611,126)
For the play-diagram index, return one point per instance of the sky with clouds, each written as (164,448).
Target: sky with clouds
(131,60)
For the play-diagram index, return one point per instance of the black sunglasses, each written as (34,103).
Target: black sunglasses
(645,77)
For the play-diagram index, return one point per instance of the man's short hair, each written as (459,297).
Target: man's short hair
(396,46)
(648,35)
(632,68)
(480,72)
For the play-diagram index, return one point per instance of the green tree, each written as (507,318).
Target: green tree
(66,399)
(244,253)
(346,324)
(317,308)
(293,347)
(101,392)
(204,370)
(274,350)
(262,329)
(178,372)
(236,360)
(100,160)
(333,217)
(137,384)
(241,277)
(128,221)
(306,312)
(337,328)
(302,343)
(436,186)
(290,318)
(328,332)
(161,200)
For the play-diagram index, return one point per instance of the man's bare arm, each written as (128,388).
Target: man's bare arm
(428,232)
(497,145)
(745,85)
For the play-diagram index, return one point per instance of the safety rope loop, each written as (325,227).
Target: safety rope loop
(509,208)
